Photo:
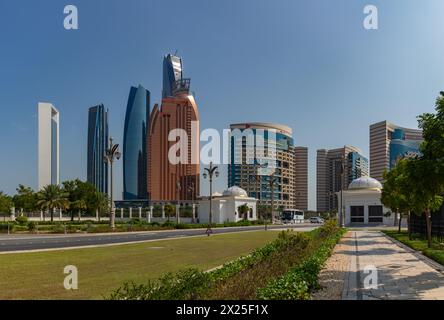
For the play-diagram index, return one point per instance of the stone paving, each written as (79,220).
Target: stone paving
(402,273)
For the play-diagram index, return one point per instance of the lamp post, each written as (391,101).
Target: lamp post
(209,173)
(111,155)
(271,182)
(178,188)
(191,188)
(341,215)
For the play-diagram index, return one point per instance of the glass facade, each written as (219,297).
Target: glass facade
(135,156)
(244,165)
(98,136)
(172,73)
(401,148)
(357,166)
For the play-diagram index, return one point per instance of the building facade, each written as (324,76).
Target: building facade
(172,72)
(98,137)
(336,169)
(48,145)
(273,157)
(388,144)
(168,179)
(135,153)
(362,204)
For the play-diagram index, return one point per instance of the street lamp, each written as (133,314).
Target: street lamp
(209,173)
(271,182)
(341,216)
(179,189)
(112,154)
(191,189)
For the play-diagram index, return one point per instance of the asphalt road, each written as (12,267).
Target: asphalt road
(12,243)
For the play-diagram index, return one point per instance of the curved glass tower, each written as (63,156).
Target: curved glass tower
(98,136)
(135,157)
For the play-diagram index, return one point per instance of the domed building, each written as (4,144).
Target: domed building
(362,203)
(228,207)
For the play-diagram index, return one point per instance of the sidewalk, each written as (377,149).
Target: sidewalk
(402,273)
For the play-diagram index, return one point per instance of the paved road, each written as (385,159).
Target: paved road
(11,243)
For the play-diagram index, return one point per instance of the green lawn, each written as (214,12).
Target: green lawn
(436,252)
(40,275)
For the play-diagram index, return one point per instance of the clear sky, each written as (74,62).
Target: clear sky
(308,64)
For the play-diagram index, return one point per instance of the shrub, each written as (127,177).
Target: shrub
(32,226)
(21,220)
(183,285)
(302,279)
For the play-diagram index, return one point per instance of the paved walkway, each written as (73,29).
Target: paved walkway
(402,273)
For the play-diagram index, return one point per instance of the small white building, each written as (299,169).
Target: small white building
(226,206)
(362,203)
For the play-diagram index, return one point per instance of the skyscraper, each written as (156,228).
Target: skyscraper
(330,178)
(389,143)
(301,177)
(168,180)
(98,136)
(172,72)
(287,163)
(135,154)
(48,145)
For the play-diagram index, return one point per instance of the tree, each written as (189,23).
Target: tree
(98,201)
(25,200)
(5,203)
(243,211)
(425,190)
(52,197)
(396,193)
(169,210)
(428,170)
(79,205)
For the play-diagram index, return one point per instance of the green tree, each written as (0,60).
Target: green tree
(25,200)
(98,201)
(169,210)
(396,193)
(428,171)
(243,211)
(5,203)
(425,190)
(52,197)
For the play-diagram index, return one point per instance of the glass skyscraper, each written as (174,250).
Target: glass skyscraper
(135,155)
(172,72)
(98,136)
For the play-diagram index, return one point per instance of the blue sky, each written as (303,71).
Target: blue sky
(307,64)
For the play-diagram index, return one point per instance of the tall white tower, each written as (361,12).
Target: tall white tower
(48,145)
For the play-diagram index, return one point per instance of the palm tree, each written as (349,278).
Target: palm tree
(99,202)
(243,211)
(78,205)
(52,197)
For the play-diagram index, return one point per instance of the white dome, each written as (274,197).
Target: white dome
(365,183)
(236,192)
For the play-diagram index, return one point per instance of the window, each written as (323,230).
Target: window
(375,214)
(357,214)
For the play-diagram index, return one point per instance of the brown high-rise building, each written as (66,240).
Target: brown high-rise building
(330,177)
(388,143)
(301,177)
(168,181)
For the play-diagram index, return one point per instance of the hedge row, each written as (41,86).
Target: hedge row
(303,278)
(195,284)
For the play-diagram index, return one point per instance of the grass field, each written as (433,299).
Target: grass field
(436,252)
(100,270)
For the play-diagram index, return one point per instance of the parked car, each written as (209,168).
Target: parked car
(316,220)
